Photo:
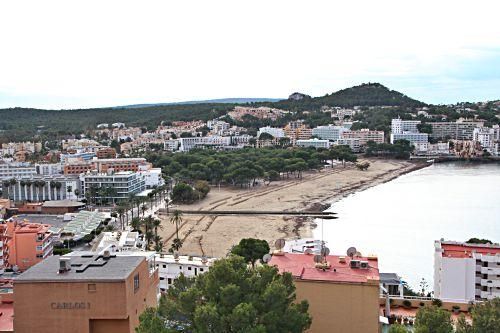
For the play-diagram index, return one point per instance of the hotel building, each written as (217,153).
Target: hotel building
(85,294)
(24,244)
(343,295)
(329,132)
(125,183)
(466,272)
(364,136)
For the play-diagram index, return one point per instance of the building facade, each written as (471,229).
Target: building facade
(25,244)
(343,293)
(329,132)
(43,187)
(459,130)
(365,135)
(124,183)
(466,272)
(170,267)
(85,294)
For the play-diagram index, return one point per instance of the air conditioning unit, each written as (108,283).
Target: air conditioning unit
(64,264)
(364,265)
(355,264)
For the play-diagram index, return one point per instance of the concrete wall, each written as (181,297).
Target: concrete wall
(343,308)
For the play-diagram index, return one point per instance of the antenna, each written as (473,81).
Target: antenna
(279,244)
(351,252)
(266,258)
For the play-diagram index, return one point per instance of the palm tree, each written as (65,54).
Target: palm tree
(159,246)
(136,224)
(144,209)
(157,225)
(120,210)
(176,245)
(6,185)
(177,220)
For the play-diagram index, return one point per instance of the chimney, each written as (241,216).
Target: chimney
(64,264)
(106,255)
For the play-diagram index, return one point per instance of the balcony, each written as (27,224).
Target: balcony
(490,283)
(490,258)
(490,270)
(489,295)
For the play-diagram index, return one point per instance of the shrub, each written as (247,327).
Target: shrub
(407,304)
(437,302)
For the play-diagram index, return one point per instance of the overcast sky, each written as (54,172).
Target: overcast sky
(60,54)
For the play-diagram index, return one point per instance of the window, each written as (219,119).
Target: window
(180,267)
(39,247)
(201,269)
(189,268)
(162,278)
(136,282)
(91,287)
(164,266)
(169,281)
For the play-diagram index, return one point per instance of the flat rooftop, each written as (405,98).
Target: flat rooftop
(83,268)
(63,203)
(302,267)
(466,250)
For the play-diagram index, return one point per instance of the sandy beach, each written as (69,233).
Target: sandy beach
(215,235)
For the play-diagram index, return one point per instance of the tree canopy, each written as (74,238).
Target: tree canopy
(229,298)
(251,249)
(433,319)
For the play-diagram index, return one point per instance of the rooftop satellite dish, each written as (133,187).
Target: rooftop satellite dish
(279,244)
(266,258)
(308,251)
(351,252)
(318,258)
(325,251)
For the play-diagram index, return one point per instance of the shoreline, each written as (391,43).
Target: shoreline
(214,235)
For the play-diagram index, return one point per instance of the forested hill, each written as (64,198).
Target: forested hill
(23,123)
(367,94)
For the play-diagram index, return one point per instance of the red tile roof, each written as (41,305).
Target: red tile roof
(457,250)
(302,266)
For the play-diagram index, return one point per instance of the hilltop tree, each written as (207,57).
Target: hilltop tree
(229,298)
(251,249)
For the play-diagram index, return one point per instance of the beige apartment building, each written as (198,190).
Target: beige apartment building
(85,294)
(343,295)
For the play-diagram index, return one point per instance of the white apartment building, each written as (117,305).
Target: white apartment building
(487,137)
(426,148)
(152,177)
(466,272)
(329,132)
(414,138)
(316,143)
(186,144)
(49,168)
(43,188)
(353,143)
(364,135)
(274,131)
(399,126)
(16,170)
(125,183)
(170,266)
